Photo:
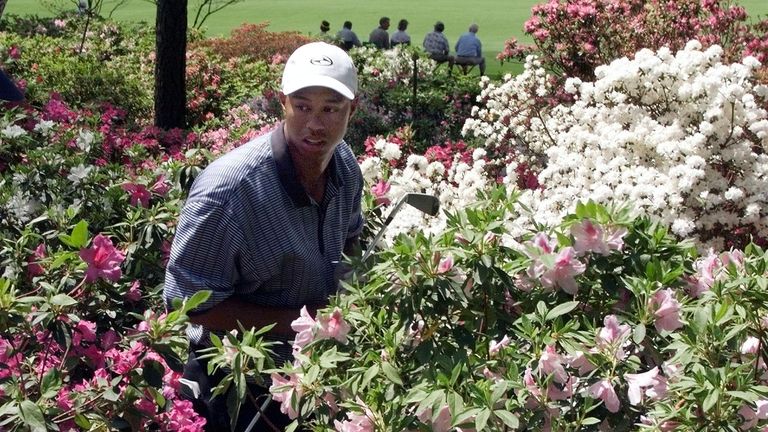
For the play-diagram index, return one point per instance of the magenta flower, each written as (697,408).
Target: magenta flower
(182,417)
(541,245)
(103,260)
(638,382)
(590,237)
(161,186)
(84,331)
(140,195)
(283,391)
(33,262)
(667,310)
(134,292)
(612,336)
(604,391)
(333,326)
(564,272)
(380,191)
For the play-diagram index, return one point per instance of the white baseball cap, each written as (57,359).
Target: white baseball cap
(320,64)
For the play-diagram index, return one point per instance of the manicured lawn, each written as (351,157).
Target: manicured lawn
(498,20)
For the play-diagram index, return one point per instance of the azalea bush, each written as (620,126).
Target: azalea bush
(574,37)
(605,322)
(682,136)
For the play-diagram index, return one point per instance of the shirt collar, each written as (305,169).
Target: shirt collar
(286,170)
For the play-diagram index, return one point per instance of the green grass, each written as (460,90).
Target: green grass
(498,20)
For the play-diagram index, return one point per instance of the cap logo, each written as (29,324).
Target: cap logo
(321,61)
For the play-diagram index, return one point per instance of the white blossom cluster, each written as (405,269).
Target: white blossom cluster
(392,65)
(456,187)
(681,136)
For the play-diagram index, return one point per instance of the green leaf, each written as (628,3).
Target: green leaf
(711,400)
(508,418)
(482,419)
(49,387)
(638,335)
(368,376)
(561,309)
(63,300)
(590,421)
(32,416)
(391,373)
(747,396)
(78,238)
(82,421)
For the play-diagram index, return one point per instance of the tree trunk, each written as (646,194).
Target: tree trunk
(170,63)
(2,6)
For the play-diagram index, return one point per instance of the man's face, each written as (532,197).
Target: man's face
(385,25)
(315,122)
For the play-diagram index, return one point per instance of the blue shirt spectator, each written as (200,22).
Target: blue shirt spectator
(469,49)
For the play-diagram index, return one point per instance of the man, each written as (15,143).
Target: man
(469,50)
(264,225)
(347,37)
(436,44)
(400,36)
(379,36)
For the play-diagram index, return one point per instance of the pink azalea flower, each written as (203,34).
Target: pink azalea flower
(551,363)
(750,345)
(140,195)
(604,391)
(358,422)
(446,264)
(333,326)
(542,244)
(283,391)
(556,393)
(579,361)
(304,327)
(161,186)
(667,310)
(441,423)
(103,260)
(590,237)
(638,382)
(494,347)
(532,387)
(33,262)
(134,292)
(380,191)
(612,336)
(563,273)
(706,269)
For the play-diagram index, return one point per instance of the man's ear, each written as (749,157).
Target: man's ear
(282,97)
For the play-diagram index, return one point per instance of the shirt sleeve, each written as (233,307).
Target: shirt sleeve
(204,254)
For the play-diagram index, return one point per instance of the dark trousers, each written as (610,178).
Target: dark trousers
(215,410)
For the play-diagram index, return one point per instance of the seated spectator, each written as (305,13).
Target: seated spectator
(347,37)
(400,36)
(436,44)
(379,36)
(469,49)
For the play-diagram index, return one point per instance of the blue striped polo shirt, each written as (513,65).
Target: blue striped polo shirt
(248,229)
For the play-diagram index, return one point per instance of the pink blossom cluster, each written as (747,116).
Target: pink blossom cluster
(575,36)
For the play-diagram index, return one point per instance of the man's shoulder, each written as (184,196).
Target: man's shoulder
(223,176)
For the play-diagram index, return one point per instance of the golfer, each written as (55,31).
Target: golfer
(264,225)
